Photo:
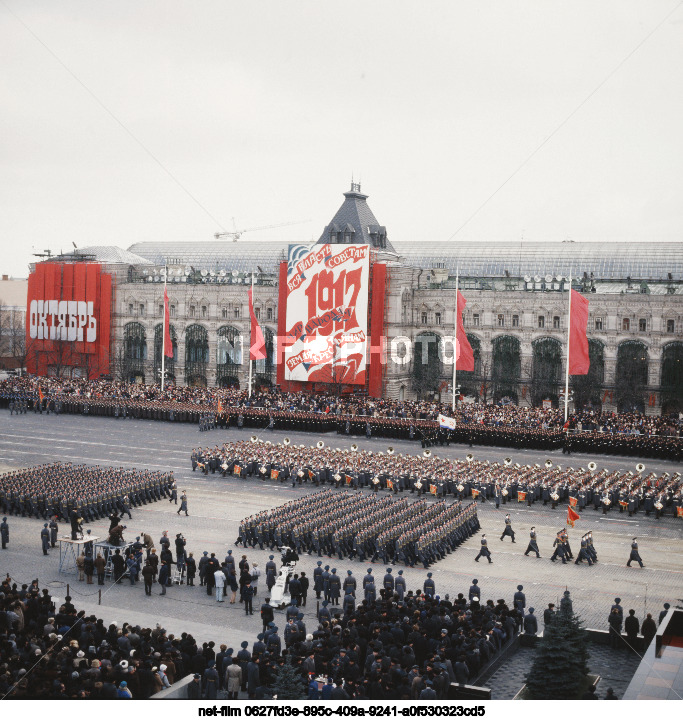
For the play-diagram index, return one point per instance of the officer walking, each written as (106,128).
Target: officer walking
(533,544)
(508,528)
(635,556)
(484,550)
(183,503)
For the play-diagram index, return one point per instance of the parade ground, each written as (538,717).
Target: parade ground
(217,505)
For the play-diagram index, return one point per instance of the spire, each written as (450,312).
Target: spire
(354,222)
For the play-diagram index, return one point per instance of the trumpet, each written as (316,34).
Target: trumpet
(640,467)
(548,463)
(427,453)
(592,465)
(507,461)
(253,439)
(320,444)
(287,441)
(390,451)
(354,447)
(469,458)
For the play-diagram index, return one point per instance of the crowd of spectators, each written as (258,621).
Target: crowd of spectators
(384,649)
(492,415)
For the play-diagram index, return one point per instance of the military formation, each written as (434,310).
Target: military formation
(67,491)
(550,484)
(362,526)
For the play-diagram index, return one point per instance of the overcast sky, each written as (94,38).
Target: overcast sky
(262,112)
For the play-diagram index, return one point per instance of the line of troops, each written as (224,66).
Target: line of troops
(59,489)
(426,431)
(623,492)
(358,525)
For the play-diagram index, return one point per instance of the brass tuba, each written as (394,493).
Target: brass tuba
(469,458)
(287,441)
(253,439)
(390,451)
(354,447)
(548,463)
(427,453)
(320,444)
(508,461)
(592,465)
(640,467)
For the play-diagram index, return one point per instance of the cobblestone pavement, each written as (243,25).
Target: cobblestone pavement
(615,668)
(216,506)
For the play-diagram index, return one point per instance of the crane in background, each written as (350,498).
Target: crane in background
(236,234)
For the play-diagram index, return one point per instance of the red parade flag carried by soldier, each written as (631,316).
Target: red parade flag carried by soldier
(40,394)
(465,359)
(257,344)
(168,343)
(573,501)
(572,516)
(579,362)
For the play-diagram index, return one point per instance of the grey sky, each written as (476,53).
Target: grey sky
(263,110)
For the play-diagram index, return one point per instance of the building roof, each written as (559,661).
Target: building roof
(606,261)
(104,254)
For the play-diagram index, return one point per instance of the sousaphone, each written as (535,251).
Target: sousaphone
(253,439)
(320,444)
(592,465)
(287,441)
(469,458)
(427,453)
(354,447)
(548,463)
(390,451)
(508,461)
(640,467)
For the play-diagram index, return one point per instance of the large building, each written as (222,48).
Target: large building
(515,317)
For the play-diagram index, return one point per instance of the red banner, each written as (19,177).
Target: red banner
(257,343)
(579,362)
(465,360)
(572,516)
(573,501)
(68,320)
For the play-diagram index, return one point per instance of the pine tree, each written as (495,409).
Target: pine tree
(289,685)
(560,666)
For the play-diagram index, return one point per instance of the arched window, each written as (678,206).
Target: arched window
(506,367)
(672,378)
(132,362)
(426,364)
(229,355)
(546,371)
(264,367)
(196,354)
(631,376)
(588,389)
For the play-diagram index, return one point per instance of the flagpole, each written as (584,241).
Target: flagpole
(566,375)
(163,334)
(455,337)
(250,331)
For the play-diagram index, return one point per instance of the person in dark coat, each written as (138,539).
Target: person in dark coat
(267,614)
(45,541)
(164,575)
(614,628)
(210,681)
(191,568)
(4,532)
(194,688)
(530,623)
(648,629)
(253,676)
(632,626)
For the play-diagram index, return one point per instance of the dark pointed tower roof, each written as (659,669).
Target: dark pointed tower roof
(354,222)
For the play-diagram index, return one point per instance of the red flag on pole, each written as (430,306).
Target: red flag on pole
(465,357)
(257,344)
(579,362)
(168,343)
(40,394)
(572,516)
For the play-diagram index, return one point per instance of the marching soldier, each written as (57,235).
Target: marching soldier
(4,532)
(508,528)
(635,556)
(533,544)
(45,539)
(484,550)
